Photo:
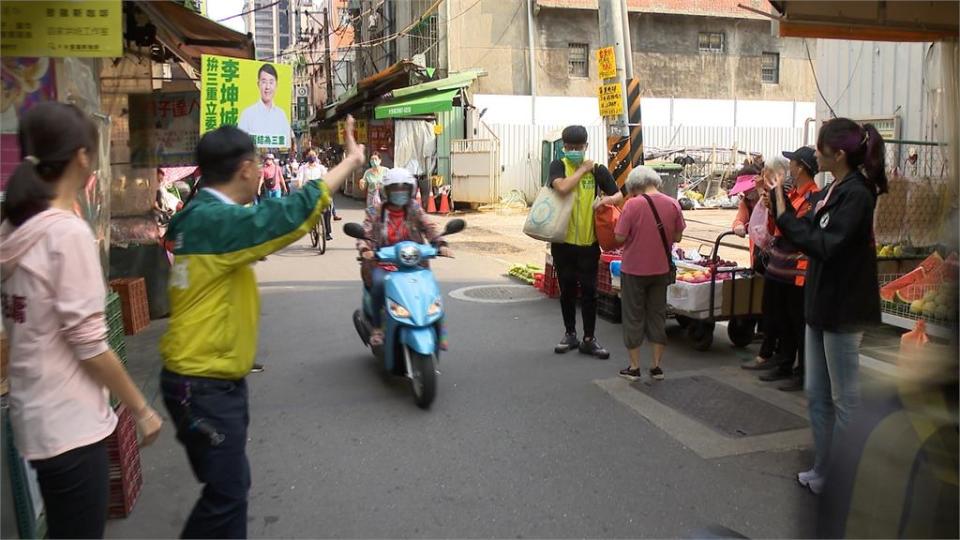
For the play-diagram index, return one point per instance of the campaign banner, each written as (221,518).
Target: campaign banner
(250,94)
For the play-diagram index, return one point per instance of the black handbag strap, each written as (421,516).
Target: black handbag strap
(660,229)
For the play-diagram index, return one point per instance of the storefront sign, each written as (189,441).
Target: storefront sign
(361,134)
(163,129)
(26,82)
(60,29)
(611,99)
(252,95)
(607,63)
(302,108)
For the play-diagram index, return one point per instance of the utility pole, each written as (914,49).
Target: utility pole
(326,46)
(533,64)
(624,134)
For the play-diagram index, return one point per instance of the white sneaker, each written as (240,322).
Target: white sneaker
(812,480)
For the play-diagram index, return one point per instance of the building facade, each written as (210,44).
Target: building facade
(272,26)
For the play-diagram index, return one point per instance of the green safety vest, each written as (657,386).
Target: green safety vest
(580,231)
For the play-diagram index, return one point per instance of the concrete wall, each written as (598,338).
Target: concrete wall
(493,36)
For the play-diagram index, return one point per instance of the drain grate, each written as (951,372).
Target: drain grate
(498,294)
(721,407)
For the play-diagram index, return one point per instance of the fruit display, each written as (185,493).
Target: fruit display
(929,291)
(525,272)
(891,251)
(715,263)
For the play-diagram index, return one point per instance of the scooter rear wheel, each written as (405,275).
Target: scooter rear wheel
(423,379)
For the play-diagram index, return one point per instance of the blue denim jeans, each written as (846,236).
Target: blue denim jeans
(211,418)
(832,386)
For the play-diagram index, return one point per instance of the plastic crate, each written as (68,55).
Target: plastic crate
(551,286)
(126,475)
(133,299)
(608,308)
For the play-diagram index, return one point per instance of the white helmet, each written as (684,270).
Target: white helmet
(398,175)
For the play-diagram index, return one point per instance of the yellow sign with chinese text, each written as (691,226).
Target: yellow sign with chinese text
(607,63)
(359,133)
(611,99)
(60,29)
(253,95)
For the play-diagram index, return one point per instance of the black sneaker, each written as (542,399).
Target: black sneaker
(656,373)
(567,344)
(795,385)
(776,375)
(591,347)
(630,374)
(329,238)
(257,368)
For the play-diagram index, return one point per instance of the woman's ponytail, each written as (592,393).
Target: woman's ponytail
(27,194)
(875,158)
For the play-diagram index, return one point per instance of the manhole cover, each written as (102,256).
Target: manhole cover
(722,407)
(498,294)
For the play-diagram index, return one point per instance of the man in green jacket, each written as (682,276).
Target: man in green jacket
(211,341)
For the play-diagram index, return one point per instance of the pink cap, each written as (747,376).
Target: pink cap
(744,183)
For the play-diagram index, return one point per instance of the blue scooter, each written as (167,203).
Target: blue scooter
(413,313)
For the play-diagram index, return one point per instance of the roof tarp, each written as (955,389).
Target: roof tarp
(456,81)
(422,104)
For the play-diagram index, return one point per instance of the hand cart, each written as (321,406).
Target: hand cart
(698,307)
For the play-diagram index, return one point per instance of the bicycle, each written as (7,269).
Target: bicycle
(319,233)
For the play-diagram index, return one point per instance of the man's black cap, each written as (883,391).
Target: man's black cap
(806,157)
(574,135)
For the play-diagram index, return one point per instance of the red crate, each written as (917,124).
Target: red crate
(126,475)
(133,299)
(551,286)
(604,284)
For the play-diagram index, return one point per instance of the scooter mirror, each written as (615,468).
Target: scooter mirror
(454,226)
(354,230)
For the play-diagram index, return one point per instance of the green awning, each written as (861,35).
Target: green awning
(423,104)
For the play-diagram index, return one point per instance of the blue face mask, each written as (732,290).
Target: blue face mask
(575,156)
(399,198)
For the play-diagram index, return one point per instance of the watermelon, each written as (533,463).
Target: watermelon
(889,291)
(931,281)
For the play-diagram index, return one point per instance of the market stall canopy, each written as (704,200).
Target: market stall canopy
(189,35)
(396,76)
(871,21)
(417,105)
(455,81)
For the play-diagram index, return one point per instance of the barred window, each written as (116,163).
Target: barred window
(577,62)
(711,42)
(770,68)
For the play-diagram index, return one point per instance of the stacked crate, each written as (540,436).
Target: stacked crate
(604,282)
(126,475)
(608,308)
(133,298)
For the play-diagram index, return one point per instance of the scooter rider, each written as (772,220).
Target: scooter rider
(396,219)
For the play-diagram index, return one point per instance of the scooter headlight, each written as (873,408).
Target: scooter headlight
(409,256)
(397,310)
(435,307)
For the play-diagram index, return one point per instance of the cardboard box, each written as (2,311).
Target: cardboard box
(742,296)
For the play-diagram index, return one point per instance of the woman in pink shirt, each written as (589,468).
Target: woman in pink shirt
(651,222)
(53,308)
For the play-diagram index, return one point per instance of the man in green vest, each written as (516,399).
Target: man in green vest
(577,259)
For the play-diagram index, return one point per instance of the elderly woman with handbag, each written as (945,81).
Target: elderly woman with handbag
(650,223)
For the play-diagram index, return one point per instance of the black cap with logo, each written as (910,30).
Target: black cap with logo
(804,156)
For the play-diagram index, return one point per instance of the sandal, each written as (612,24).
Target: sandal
(376,338)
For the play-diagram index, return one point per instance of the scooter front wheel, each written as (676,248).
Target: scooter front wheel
(423,378)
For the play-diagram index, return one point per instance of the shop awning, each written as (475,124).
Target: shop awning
(421,104)
(894,20)
(453,82)
(396,76)
(189,35)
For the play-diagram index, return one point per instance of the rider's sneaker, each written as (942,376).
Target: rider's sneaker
(329,238)
(257,368)
(567,344)
(591,347)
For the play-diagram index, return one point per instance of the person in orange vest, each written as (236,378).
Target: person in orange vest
(787,268)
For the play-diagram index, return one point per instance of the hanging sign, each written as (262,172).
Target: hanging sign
(607,63)
(62,29)
(611,99)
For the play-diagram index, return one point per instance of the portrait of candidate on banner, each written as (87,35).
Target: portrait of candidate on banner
(265,117)
(253,95)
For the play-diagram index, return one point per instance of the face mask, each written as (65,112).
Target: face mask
(374,162)
(312,159)
(575,156)
(399,198)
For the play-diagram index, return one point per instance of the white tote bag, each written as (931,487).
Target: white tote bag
(549,216)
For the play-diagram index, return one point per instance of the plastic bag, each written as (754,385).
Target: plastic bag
(605,218)
(915,338)
(757,228)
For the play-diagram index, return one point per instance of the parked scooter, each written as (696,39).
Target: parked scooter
(413,315)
